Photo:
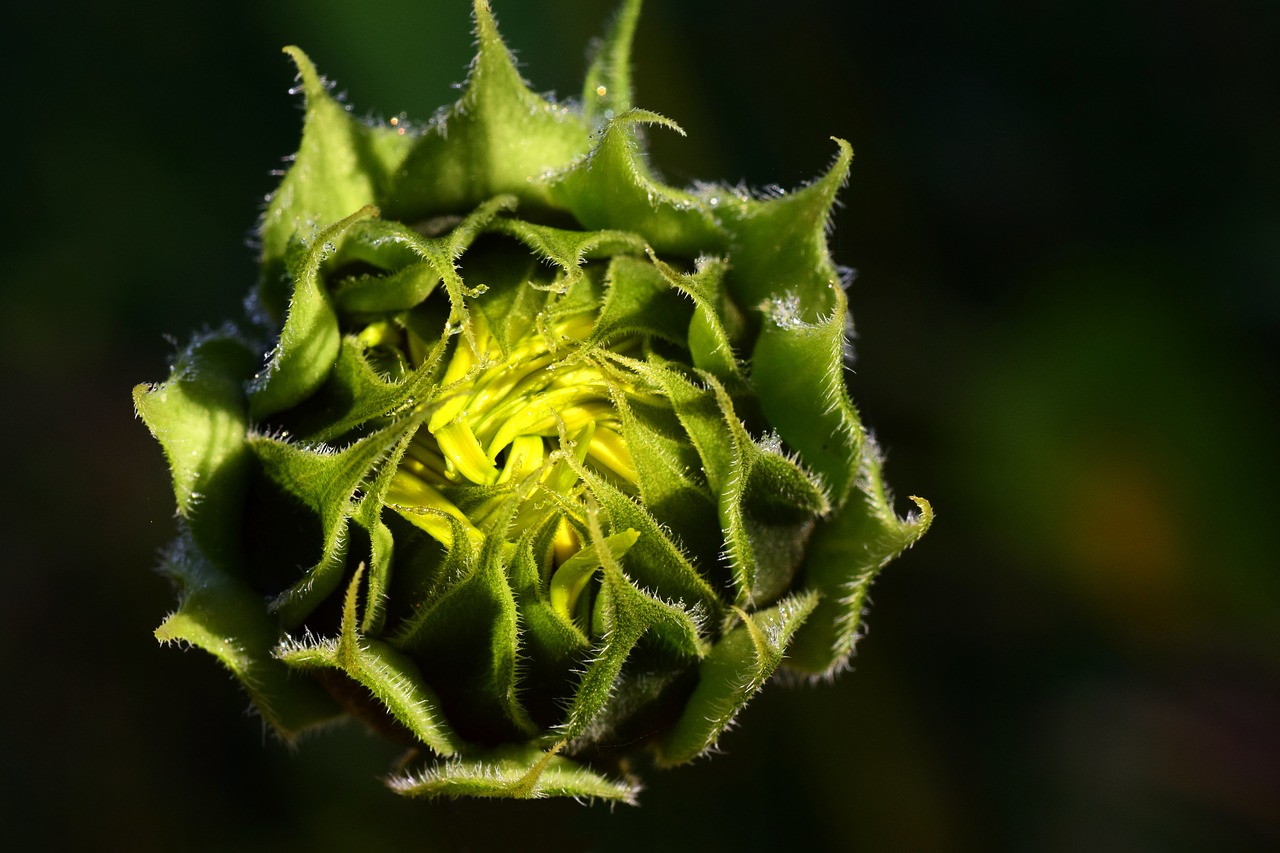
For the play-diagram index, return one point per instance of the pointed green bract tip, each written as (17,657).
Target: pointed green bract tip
(544,455)
(606,92)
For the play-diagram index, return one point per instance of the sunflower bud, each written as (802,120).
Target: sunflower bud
(527,459)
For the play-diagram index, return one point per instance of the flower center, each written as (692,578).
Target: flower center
(514,422)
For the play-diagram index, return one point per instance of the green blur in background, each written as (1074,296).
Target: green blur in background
(1065,219)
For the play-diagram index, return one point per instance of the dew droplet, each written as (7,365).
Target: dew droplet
(784,311)
(771,442)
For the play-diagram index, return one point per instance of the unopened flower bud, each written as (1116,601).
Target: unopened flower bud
(541,457)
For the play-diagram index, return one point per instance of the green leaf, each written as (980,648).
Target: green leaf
(673,489)
(499,138)
(737,666)
(611,188)
(639,300)
(551,643)
(325,482)
(443,253)
(353,394)
(517,772)
(655,560)
(381,542)
(199,418)
(309,342)
(469,638)
(707,333)
(341,166)
(766,503)
(570,579)
(626,613)
(781,265)
(569,249)
(226,618)
(390,676)
(399,291)
(607,90)
(845,555)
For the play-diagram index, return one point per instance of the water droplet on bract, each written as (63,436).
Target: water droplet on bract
(714,200)
(771,442)
(784,311)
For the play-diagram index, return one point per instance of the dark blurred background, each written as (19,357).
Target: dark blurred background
(1065,218)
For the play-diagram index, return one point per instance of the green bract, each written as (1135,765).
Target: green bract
(549,463)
